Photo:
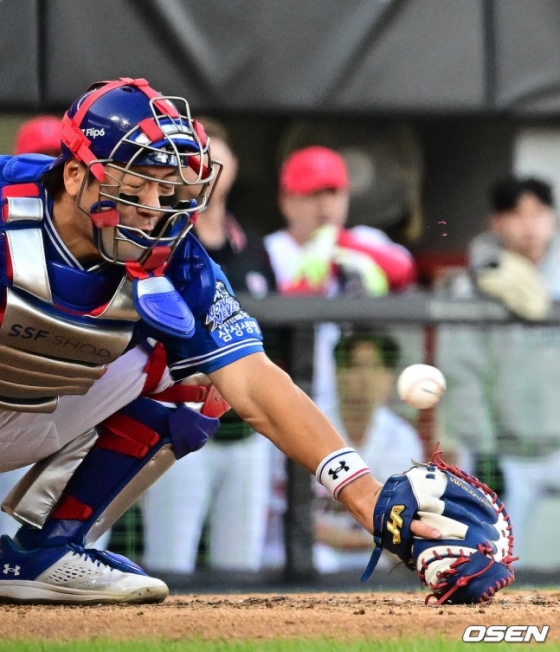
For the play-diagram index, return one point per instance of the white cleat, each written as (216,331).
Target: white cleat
(72,574)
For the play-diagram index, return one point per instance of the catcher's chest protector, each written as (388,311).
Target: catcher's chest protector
(49,344)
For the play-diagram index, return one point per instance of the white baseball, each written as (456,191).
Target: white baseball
(421,386)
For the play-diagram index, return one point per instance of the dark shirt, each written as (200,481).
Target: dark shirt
(245,261)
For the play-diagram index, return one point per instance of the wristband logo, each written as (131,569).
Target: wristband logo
(336,472)
(511,634)
(396,523)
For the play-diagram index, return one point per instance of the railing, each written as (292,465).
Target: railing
(414,308)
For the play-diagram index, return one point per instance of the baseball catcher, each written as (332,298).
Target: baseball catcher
(109,304)
(472,559)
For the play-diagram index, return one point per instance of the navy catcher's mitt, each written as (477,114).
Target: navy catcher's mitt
(472,560)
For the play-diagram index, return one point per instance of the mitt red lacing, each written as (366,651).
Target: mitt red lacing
(437,461)
(460,558)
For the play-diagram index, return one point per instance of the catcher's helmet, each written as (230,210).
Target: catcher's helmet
(117,126)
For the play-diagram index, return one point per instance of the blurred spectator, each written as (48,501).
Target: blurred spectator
(40,135)
(315,254)
(501,411)
(227,482)
(365,364)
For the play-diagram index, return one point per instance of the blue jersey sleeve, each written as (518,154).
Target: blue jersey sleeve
(223,334)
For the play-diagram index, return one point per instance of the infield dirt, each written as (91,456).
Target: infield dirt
(267,616)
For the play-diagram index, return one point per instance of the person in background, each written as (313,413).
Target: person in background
(39,135)
(501,411)
(228,480)
(316,254)
(365,371)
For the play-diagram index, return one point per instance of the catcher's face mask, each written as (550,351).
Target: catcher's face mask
(140,148)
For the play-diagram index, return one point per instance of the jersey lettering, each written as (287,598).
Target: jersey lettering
(225,309)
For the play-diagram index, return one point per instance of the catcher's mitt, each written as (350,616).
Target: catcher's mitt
(472,560)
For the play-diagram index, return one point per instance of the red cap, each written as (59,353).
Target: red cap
(41,135)
(313,169)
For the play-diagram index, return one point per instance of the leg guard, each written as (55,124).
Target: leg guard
(33,498)
(135,447)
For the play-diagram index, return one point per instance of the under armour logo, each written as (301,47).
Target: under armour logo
(343,467)
(15,570)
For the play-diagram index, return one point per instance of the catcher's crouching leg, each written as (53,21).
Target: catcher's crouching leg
(134,448)
(48,562)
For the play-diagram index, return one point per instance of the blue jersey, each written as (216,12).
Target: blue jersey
(223,332)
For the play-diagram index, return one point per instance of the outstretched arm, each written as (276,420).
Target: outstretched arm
(266,398)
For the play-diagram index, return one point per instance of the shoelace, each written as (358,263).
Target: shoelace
(88,553)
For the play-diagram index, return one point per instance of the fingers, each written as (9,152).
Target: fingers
(423,530)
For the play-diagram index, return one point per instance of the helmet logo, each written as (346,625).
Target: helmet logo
(165,158)
(93,133)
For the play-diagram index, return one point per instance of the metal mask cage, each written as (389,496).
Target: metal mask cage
(132,243)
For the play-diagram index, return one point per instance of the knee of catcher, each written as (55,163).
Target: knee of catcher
(145,423)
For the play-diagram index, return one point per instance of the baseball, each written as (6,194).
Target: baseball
(421,386)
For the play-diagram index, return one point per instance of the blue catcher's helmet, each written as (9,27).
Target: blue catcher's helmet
(114,128)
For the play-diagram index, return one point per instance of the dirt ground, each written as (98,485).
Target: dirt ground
(260,616)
